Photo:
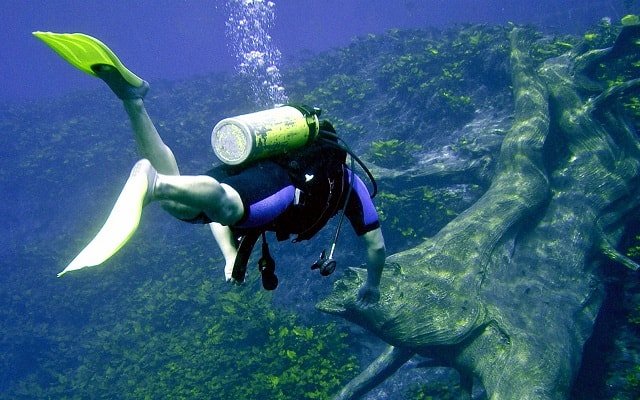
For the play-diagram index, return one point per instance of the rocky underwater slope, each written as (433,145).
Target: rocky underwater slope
(507,161)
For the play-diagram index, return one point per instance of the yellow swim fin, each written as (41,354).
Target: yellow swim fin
(84,52)
(121,223)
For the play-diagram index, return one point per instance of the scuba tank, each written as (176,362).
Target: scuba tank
(248,137)
(263,134)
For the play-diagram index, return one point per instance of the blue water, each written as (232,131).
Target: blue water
(176,40)
(160,305)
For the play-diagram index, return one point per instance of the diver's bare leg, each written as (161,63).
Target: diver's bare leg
(150,144)
(187,196)
(227,243)
(152,147)
(184,197)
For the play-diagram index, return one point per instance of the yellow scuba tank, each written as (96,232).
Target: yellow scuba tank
(249,137)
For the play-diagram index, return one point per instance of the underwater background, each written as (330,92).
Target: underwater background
(405,83)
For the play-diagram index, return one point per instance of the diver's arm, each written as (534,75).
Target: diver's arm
(227,244)
(376,255)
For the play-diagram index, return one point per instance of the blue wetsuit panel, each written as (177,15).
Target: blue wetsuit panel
(265,189)
(262,212)
(360,210)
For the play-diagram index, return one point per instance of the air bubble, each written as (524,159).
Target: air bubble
(248,27)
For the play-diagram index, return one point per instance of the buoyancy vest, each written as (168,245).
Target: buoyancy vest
(318,172)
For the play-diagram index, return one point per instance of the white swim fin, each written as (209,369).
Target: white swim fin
(121,223)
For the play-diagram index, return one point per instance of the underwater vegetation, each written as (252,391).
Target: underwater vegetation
(181,334)
(392,153)
(403,82)
(428,110)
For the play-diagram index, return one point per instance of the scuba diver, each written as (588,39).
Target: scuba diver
(264,188)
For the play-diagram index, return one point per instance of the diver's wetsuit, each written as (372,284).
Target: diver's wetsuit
(271,202)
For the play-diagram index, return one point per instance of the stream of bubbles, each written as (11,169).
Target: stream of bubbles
(248,29)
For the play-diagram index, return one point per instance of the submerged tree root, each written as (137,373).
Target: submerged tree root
(508,292)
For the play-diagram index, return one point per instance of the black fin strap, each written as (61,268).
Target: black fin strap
(242,258)
(267,267)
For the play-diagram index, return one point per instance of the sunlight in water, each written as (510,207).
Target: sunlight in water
(248,27)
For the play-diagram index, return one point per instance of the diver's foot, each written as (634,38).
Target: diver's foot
(123,89)
(143,170)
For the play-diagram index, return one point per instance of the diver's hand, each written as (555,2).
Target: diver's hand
(368,295)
